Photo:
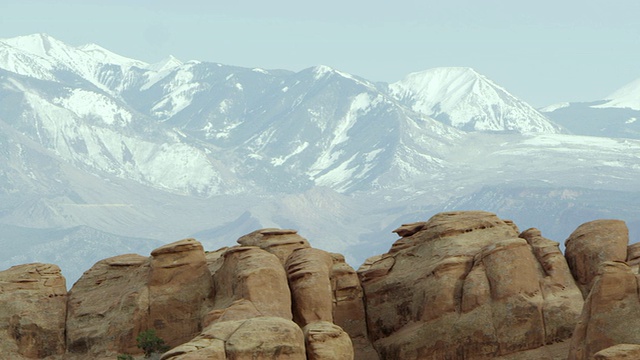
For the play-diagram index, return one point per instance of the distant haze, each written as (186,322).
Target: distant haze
(543,52)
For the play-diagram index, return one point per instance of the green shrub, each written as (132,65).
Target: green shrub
(125,357)
(150,343)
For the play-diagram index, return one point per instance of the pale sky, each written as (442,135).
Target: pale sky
(542,51)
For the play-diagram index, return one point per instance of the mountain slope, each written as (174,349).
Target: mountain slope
(92,140)
(616,115)
(467,100)
(627,97)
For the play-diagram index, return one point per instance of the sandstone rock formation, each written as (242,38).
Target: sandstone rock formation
(593,243)
(179,285)
(308,271)
(463,285)
(280,242)
(32,311)
(110,301)
(348,307)
(633,257)
(611,314)
(471,289)
(619,352)
(251,274)
(256,338)
(327,341)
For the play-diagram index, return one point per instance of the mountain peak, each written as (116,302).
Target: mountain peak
(167,63)
(627,96)
(464,98)
(37,44)
(105,56)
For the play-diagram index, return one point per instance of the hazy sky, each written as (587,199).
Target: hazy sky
(541,51)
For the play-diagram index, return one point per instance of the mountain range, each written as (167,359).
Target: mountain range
(101,154)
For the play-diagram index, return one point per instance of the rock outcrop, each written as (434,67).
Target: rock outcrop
(471,289)
(33,301)
(255,338)
(179,286)
(463,285)
(593,243)
(327,341)
(254,276)
(110,301)
(619,352)
(633,257)
(611,313)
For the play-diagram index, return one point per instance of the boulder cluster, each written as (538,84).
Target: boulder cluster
(463,285)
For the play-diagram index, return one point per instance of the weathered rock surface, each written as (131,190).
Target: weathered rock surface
(256,338)
(280,242)
(593,243)
(308,271)
(611,313)
(471,289)
(251,274)
(633,257)
(327,341)
(463,285)
(32,311)
(619,352)
(179,285)
(348,307)
(110,301)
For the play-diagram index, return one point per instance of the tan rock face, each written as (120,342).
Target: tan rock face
(32,311)
(611,313)
(327,341)
(308,271)
(280,242)
(252,274)
(348,307)
(179,285)
(464,286)
(633,257)
(256,338)
(561,300)
(110,301)
(593,243)
(619,352)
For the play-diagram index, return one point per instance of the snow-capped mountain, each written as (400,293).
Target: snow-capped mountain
(465,99)
(627,97)
(122,149)
(617,115)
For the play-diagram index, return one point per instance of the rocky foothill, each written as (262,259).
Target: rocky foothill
(462,285)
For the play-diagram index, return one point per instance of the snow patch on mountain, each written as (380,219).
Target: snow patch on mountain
(179,93)
(554,107)
(105,56)
(465,99)
(627,96)
(100,107)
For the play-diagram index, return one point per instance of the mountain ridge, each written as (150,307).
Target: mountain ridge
(191,147)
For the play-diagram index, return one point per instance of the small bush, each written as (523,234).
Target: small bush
(125,357)
(150,343)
